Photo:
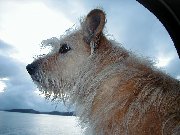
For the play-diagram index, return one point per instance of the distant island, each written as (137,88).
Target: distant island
(37,112)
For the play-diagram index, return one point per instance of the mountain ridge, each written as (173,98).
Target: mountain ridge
(38,112)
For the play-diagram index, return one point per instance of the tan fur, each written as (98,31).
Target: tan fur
(114,91)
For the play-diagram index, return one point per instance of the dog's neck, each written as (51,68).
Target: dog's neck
(99,66)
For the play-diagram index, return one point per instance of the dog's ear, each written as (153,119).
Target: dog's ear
(93,26)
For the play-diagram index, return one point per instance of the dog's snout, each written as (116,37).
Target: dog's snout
(31,68)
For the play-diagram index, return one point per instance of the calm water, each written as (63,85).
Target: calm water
(12,123)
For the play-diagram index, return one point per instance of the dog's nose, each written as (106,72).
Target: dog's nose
(31,68)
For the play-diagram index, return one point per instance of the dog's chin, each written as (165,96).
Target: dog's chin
(35,79)
(39,82)
(42,84)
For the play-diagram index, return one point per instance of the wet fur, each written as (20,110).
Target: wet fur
(114,91)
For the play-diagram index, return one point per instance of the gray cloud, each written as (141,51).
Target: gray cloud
(173,68)
(8,67)
(4,46)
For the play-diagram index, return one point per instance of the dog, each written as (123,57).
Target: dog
(114,91)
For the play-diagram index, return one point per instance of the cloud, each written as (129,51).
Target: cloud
(25,24)
(4,46)
(8,67)
(173,68)
(71,9)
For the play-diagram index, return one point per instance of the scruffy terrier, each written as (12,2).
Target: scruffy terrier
(114,91)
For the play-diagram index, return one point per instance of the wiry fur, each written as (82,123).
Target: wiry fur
(114,91)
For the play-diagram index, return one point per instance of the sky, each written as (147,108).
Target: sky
(24,24)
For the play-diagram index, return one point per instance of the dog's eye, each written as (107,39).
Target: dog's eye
(64,48)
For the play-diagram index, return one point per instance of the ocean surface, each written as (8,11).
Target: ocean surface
(12,123)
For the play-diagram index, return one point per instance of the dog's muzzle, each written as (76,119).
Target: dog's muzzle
(32,68)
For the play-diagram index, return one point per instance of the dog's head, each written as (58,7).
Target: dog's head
(56,72)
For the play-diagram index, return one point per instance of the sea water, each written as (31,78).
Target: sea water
(12,123)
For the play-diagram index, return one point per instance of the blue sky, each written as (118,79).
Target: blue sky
(24,24)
